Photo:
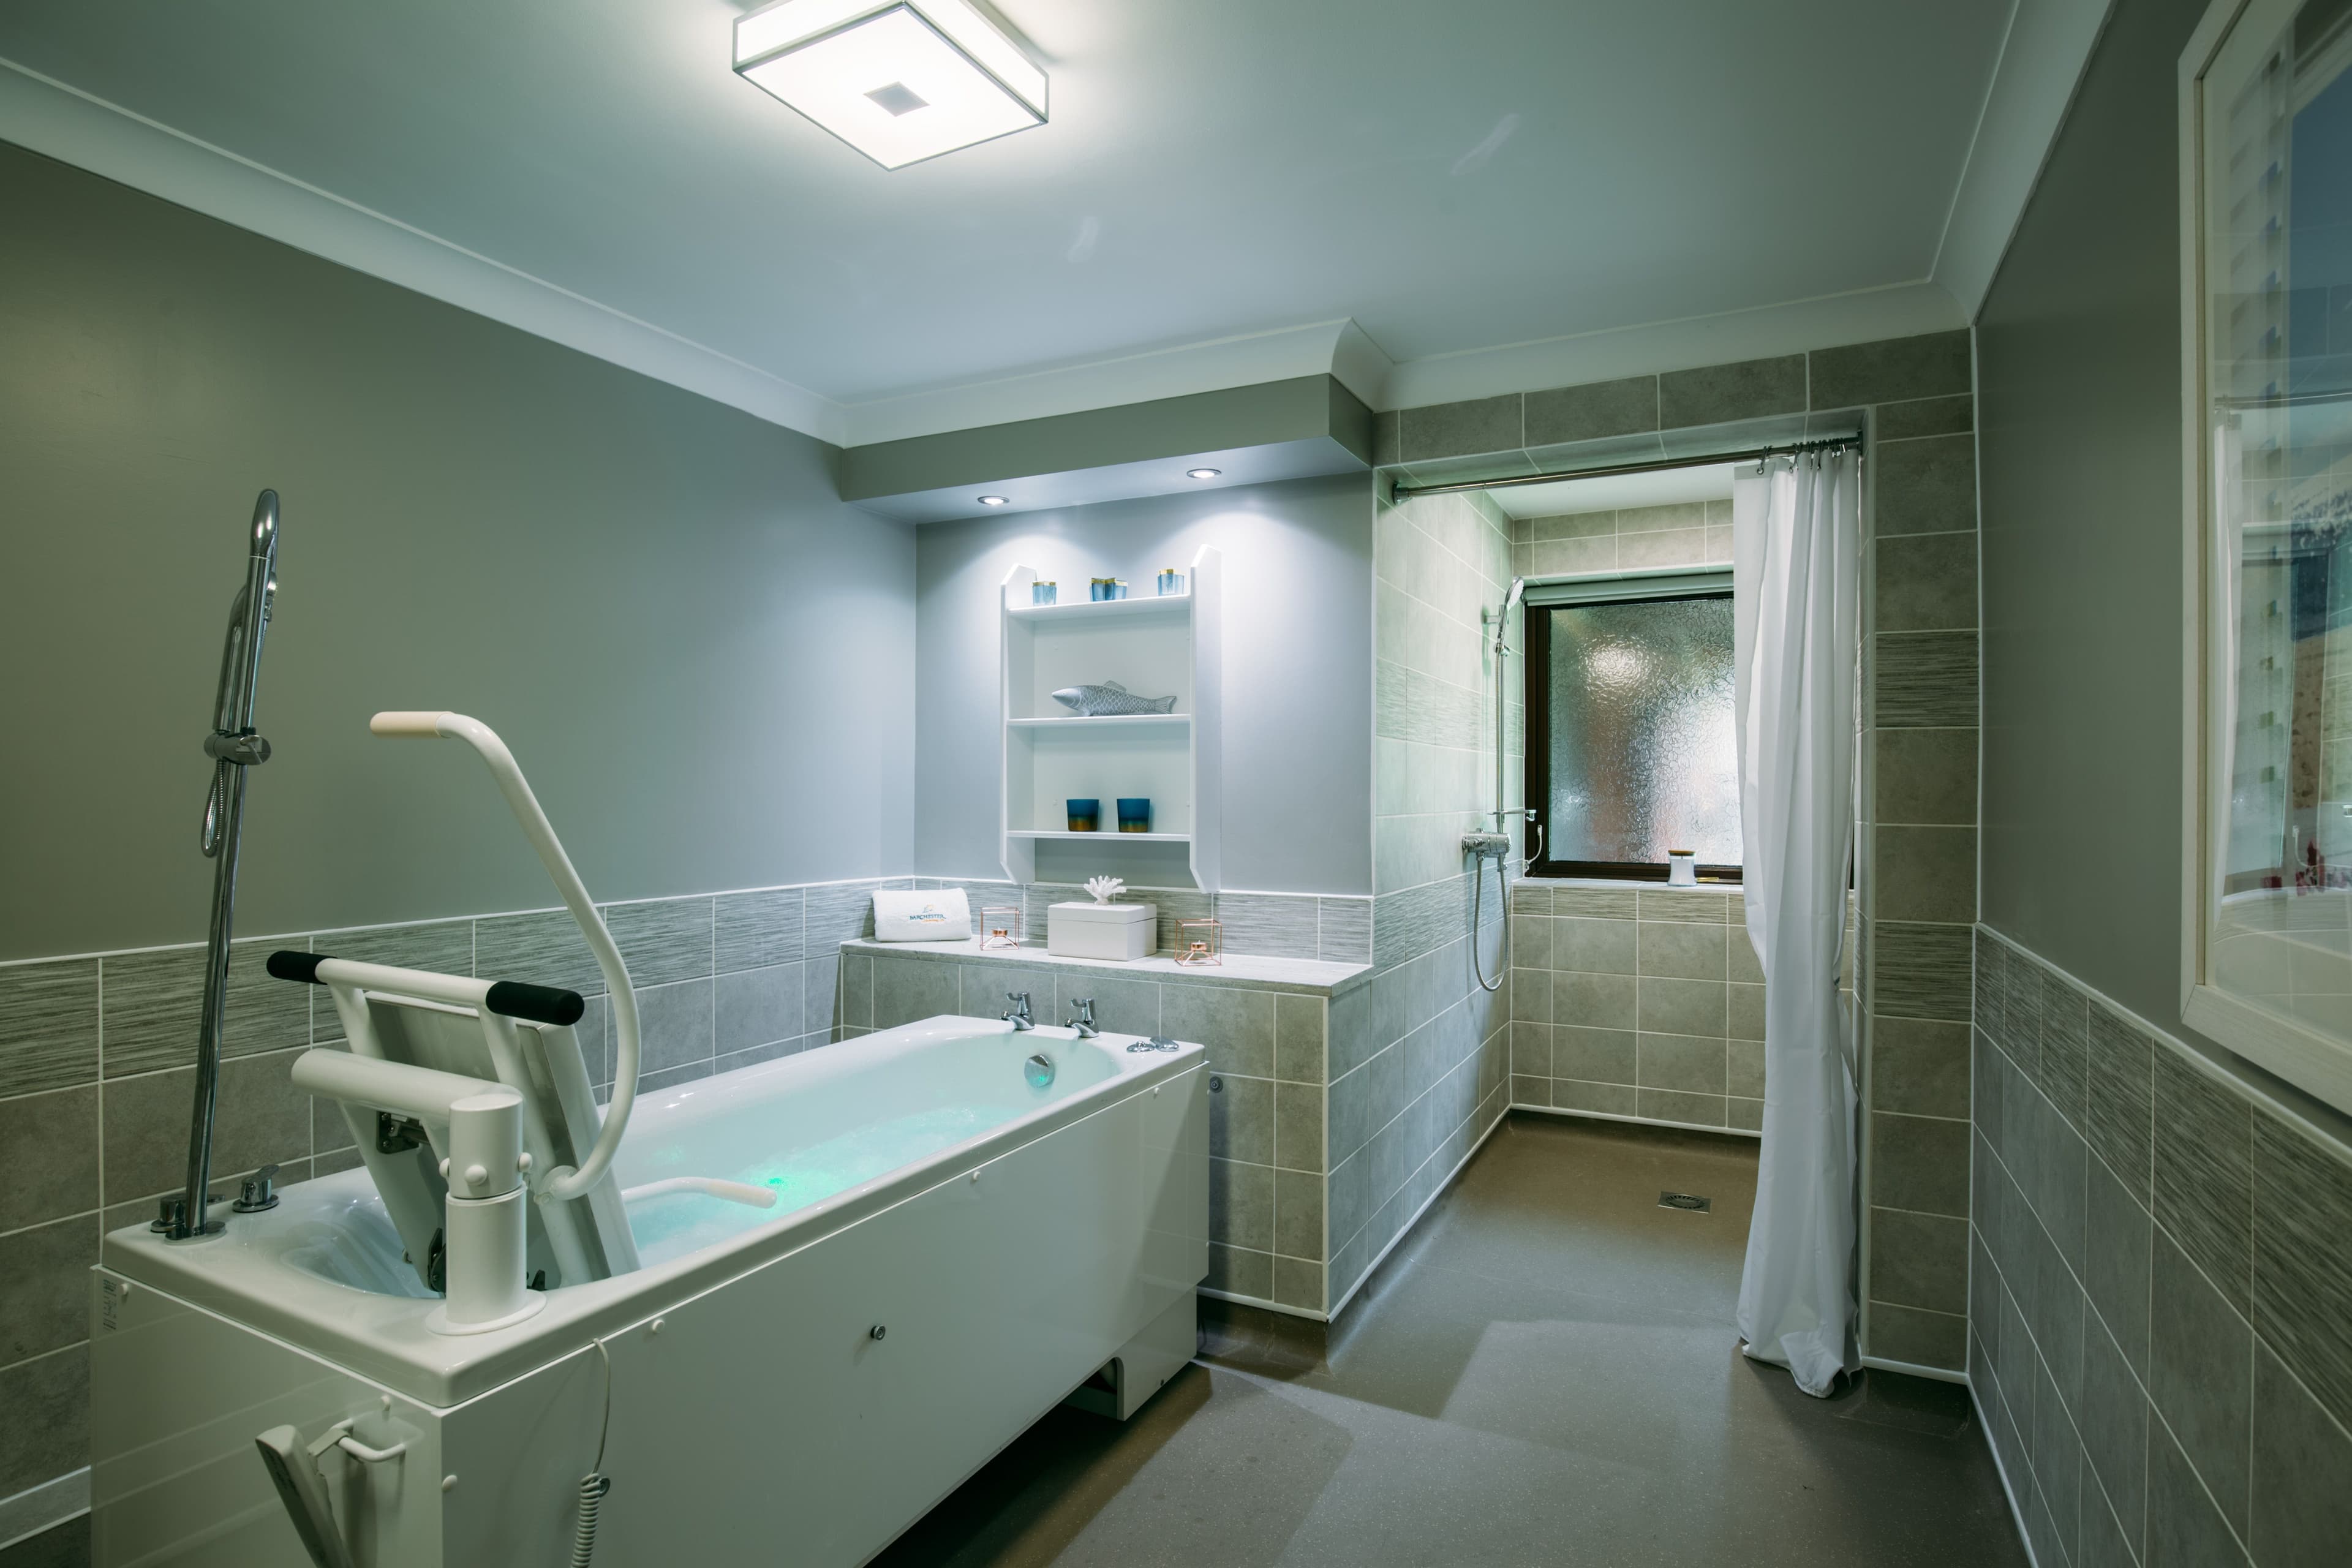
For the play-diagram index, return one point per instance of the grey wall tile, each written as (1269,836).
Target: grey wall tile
(2204,1174)
(1745,1076)
(1452,429)
(2303,1260)
(45,1286)
(1417,920)
(1891,370)
(1121,1006)
(153,1006)
(1919,1260)
(1298,1128)
(1921,1338)
(1924,679)
(1241,1204)
(1298,1038)
(1924,874)
(1926,485)
(1531,947)
(1919,1067)
(445,947)
(1530,1049)
(1668,1105)
(1352,1032)
(2117,1235)
(983,991)
(2302,1510)
(1594,1001)
(662,940)
(1600,1099)
(1240,1119)
(1681,1063)
(1238,1272)
(2113,1426)
(1718,394)
(1599,408)
(1531,996)
(261,1118)
(1746,1012)
(1683,951)
(836,912)
(1596,1055)
(2057,1474)
(1745,1114)
(2121,1095)
(48,1025)
(754,931)
(757,1007)
(1298,1215)
(1236,1025)
(1299,1282)
(1703,905)
(2065,1045)
(1276,925)
(48,1429)
(1408,705)
(674,1025)
(1683,1007)
(543,949)
(1920,971)
(1925,416)
(1919,1163)
(1925,777)
(1925,582)
(1658,552)
(906,989)
(2201,1376)
(48,1155)
(1346,930)
(1595,946)
(1596,903)
(2184,1529)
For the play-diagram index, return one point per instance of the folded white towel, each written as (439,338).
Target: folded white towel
(927,914)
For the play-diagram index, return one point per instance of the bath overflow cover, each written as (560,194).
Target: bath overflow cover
(1039,1071)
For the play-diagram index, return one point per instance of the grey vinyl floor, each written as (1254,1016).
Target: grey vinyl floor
(1545,1372)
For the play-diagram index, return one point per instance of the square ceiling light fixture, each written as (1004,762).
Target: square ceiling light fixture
(901,81)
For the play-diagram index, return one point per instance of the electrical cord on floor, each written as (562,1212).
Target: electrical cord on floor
(595,1483)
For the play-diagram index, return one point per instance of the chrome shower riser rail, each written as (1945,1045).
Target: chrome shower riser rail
(234,747)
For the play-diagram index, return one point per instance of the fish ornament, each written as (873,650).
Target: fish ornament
(1110,700)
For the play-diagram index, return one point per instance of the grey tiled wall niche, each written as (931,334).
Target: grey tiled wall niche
(2159,1284)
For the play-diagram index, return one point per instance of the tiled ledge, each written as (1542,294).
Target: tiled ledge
(1247,972)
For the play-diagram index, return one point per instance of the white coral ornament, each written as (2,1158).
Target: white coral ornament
(1105,888)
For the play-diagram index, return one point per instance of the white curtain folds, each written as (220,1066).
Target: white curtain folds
(1796,583)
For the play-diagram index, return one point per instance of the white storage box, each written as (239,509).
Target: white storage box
(1101,931)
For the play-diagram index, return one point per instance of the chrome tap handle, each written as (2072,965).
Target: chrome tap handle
(1018,1014)
(1082,1018)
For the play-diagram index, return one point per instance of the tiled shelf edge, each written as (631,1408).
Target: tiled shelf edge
(1247,972)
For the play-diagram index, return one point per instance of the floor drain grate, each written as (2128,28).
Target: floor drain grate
(1686,1201)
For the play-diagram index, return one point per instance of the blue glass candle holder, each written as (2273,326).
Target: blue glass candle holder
(1134,815)
(1085,814)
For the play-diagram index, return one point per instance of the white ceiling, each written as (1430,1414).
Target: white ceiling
(1449,177)
(1618,492)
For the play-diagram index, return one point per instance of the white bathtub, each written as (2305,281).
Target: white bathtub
(953,1253)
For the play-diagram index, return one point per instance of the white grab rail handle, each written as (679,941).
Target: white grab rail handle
(562,1182)
(743,1193)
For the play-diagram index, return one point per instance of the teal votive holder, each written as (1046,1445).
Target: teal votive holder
(1086,816)
(1135,814)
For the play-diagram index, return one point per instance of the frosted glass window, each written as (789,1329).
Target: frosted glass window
(1637,712)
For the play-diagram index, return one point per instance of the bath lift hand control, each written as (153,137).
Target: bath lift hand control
(1018,1014)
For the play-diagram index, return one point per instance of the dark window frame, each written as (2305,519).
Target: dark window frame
(1535,640)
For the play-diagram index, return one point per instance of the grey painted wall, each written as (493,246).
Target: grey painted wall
(1297,670)
(704,661)
(2162,1236)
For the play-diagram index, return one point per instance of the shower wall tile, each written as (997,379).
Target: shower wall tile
(1345,929)
(1926,485)
(154,1006)
(1924,679)
(1926,416)
(1925,582)
(1454,429)
(445,947)
(1600,408)
(1277,925)
(1893,370)
(48,1155)
(48,1025)
(1924,776)
(1719,394)
(262,1119)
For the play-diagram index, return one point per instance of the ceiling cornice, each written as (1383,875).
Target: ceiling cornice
(61,122)
(2042,57)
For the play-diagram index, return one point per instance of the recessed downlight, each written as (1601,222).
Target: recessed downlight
(996,501)
(1202,473)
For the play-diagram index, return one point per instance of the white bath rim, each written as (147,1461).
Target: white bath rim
(245,1275)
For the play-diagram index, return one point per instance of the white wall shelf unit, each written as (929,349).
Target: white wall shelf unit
(1153,646)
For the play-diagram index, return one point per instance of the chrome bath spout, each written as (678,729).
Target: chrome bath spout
(233,746)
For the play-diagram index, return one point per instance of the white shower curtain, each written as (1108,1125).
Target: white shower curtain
(1795,613)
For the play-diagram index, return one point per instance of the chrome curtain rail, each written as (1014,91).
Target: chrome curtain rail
(1397,492)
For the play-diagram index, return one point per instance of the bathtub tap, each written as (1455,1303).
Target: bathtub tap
(1018,1014)
(1082,1018)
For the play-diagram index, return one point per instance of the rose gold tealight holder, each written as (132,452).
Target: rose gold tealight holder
(1199,944)
(1000,925)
